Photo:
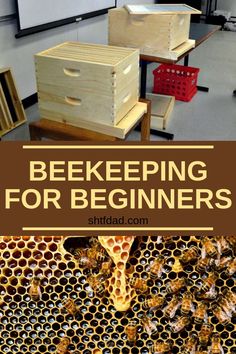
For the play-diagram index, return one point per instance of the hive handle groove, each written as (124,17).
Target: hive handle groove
(73,101)
(126,98)
(71,72)
(127,69)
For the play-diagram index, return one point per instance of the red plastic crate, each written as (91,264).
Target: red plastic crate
(176,80)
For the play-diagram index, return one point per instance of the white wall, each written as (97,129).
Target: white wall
(6,7)
(18,53)
(227,5)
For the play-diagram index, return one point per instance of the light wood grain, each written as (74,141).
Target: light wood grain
(179,32)
(6,122)
(183,48)
(89,53)
(91,82)
(54,130)
(155,35)
(119,131)
(76,75)
(91,105)
(5,115)
(162,107)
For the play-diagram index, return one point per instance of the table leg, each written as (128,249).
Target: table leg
(146,122)
(203,88)
(200,88)
(143,65)
(34,133)
(186,60)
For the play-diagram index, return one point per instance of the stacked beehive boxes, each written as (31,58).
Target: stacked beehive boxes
(157,30)
(87,85)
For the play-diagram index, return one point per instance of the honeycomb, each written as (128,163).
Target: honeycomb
(93,324)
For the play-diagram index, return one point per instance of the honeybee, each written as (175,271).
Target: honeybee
(154,302)
(221,316)
(95,283)
(106,268)
(139,284)
(223,245)
(230,296)
(63,345)
(203,264)
(131,332)
(232,241)
(187,303)
(205,333)
(161,347)
(34,290)
(216,347)
(190,345)
(209,295)
(93,241)
(83,260)
(161,239)
(200,313)
(209,282)
(189,255)
(148,325)
(223,263)
(70,306)
(95,253)
(156,267)
(226,306)
(172,307)
(202,350)
(231,268)
(79,252)
(180,324)
(175,285)
(208,247)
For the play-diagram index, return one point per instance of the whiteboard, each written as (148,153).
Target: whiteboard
(33,13)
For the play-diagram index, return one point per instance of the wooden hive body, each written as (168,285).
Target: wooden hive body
(153,34)
(95,83)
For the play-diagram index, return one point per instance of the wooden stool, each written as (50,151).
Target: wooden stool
(49,129)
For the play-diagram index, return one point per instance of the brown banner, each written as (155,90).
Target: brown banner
(177,188)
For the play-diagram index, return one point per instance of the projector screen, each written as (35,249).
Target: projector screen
(38,15)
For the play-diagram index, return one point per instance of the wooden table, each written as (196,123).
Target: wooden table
(49,129)
(198,31)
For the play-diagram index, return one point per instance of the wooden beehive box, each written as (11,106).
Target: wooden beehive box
(12,113)
(162,107)
(94,83)
(157,30)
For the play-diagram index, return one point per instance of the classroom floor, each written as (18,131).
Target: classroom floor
(209,116)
